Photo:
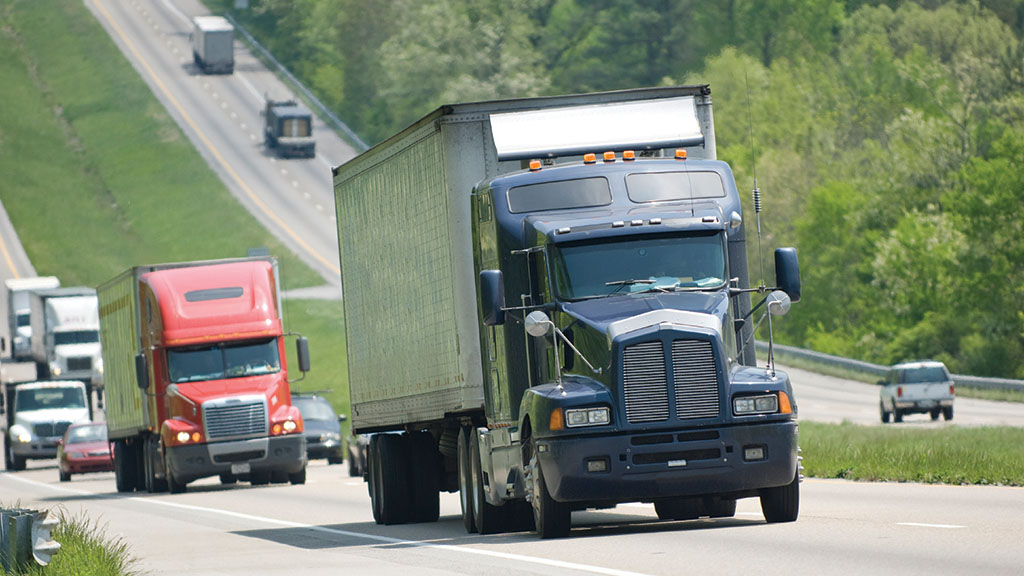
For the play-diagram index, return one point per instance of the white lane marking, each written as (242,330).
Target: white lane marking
(922,525)
(174,10)
(373,537)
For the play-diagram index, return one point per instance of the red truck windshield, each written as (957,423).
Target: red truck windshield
(219,361)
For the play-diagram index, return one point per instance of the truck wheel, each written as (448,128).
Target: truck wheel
(426,477)
(465,482)
(297,478)
(885,413)
(551,519)
(227,479)
(13,461)
(150,454)
(372,477)
(259,477)
(332,460)
(394,490)
(174,486)
(65,476)
(124,467)
(489,519)
(8,465)
(680,509)
(897,415)
(782,504)
(947,413)
(353,471)
(934,414)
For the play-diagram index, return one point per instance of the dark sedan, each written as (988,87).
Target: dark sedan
(84,448)
(323,428)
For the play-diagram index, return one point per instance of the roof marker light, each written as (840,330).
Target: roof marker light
(564,230)
(655,220)
(618,224)
(636,223)
(534,165)
(589,158)
(628,155)
(609,156)
(680,154)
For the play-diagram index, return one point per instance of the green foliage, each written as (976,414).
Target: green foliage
(85,550)
(950,455)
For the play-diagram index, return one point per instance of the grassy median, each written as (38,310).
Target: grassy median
(947,455)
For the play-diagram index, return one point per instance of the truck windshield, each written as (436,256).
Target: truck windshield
(220,361)
(47,398)
(76,337)
(583,270)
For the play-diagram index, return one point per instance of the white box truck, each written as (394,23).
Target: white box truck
(19,329)
(66,328)
(212,40)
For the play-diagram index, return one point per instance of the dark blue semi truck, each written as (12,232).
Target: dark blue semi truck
(548,309)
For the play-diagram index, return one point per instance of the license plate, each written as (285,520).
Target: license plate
(676,463)
(242,468)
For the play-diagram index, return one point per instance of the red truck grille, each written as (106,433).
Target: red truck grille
(235,418)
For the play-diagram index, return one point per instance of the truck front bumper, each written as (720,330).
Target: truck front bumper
(37,449)
(645,467)
(277,453)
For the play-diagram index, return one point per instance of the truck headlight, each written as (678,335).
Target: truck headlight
(21,434)
(289,425)
(746,405)
(587,417)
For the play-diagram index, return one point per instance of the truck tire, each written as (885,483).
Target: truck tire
(551,519)
(14,462)
(174,486)
(782,504)
(372,476)
(228,478)
(947,413)
(149,455)
(680,509)
(297,478)
(897,415)
(394,490)
(489,519)
(125,473)
(884,413)
(65,476)
(426,477)
(465,482)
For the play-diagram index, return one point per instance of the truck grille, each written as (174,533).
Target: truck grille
(50,429)
(645,383)
(80,363)
(236,419)
(696,380)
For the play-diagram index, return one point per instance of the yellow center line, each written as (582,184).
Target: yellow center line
(7,257)
(209,145)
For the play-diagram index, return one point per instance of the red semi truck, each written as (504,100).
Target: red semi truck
(196,379)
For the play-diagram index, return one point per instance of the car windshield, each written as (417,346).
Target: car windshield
(83,434)
(76,337)
(314,409)
(925,374)
(47,398)
(639,264)
(220,361)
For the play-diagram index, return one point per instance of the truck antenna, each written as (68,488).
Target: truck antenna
(770,368)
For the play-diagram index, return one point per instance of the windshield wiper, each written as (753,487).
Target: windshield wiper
(620,284)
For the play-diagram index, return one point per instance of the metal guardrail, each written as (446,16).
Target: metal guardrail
(352,136)
(874,372)
(24,537)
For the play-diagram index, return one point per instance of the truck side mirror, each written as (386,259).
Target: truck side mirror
(492,297)
(787,272)
(142,371)
(302,349)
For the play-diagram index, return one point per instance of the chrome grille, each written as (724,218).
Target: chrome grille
(644,383)
(696,380)
(50,429)
(235,419)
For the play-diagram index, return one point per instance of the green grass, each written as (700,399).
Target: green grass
(85,550)
(322,323)
(96,175)
(949,455)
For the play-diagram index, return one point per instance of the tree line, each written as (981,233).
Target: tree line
(887,137)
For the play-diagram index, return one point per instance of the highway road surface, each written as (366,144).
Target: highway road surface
(293,198)
(325,527)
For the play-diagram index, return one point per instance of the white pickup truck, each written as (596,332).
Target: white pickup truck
(916,388)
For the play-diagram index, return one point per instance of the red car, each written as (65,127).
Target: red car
(84,448)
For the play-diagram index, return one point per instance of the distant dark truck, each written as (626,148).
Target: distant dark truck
(288,129)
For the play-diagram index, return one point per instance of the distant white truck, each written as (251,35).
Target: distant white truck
(19,333)
(66,341)
(212,40)
(924,387)
(38,414)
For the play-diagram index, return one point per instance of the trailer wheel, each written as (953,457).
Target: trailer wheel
(425,477)
(394,491)
(465,482)
(373,472)
(781,504)
(125,473)
(552,519)
(489,519)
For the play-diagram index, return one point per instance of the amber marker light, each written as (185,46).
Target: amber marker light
(589,158)
(680,154)
(784,405)
(609,156)
(277,429)
(195,436)
(534,165)
(629,155)
(557,421)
